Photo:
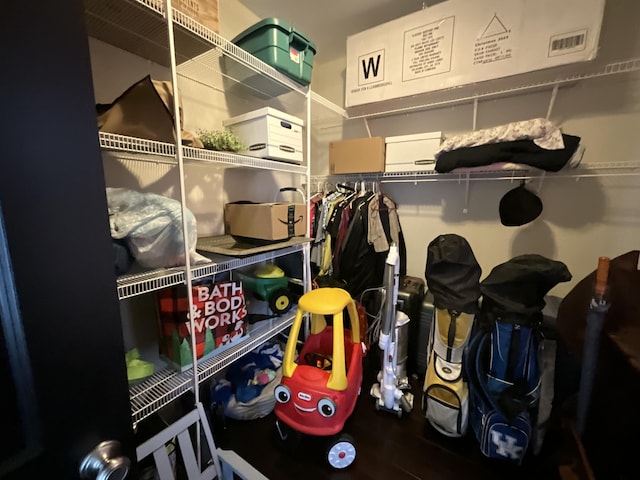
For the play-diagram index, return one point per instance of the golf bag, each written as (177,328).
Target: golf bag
(453,276)
(502,361)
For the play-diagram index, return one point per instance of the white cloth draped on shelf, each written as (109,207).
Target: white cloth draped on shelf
(541,131)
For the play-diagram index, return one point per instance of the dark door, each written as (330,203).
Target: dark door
(62,367)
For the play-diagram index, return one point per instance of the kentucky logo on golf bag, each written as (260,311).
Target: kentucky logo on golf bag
(453,277)
(501,362)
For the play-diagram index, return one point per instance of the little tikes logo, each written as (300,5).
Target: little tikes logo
(371,68)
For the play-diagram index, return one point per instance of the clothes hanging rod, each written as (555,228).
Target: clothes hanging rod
(476,176)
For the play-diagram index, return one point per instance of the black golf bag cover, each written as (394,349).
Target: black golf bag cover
(502,362)
(452,274)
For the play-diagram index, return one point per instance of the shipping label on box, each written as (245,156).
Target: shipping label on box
(219,312)
(266,221)
(459,42)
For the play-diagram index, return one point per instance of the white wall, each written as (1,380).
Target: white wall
(581,221)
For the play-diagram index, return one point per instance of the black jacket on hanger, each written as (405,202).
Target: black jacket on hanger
(360,265)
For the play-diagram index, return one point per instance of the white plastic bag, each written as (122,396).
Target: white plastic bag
(151,224)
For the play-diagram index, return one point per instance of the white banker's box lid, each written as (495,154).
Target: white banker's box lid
(269,133)
(263,112)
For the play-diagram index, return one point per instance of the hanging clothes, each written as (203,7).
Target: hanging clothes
(360,263)
(314,207)
(352,233)
(376,232)
(321,251)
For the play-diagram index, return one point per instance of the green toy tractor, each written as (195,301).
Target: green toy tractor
(269,283)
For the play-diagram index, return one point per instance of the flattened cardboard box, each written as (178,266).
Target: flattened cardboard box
(266,221)
(461,42)
(358,155)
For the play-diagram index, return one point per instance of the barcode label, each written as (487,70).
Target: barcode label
(567,43)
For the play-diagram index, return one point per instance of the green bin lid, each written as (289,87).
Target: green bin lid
(272,22)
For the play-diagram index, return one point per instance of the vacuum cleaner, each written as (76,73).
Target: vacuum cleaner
(392,393)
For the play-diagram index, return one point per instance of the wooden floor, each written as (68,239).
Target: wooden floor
(388,448)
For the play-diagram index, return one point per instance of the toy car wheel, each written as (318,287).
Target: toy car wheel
(280,302)
(287,437)
(341,451)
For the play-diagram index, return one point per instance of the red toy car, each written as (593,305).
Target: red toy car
(319,392)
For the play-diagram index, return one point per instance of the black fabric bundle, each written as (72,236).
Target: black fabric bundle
(519,151)
(123,256)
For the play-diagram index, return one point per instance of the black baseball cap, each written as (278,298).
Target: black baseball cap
(519,206)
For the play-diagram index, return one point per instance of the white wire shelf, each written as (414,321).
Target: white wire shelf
(203,56)
(134,284)
(139,26)
(323,110)
(140,149)
(164,386)
(600,169)
(535,81)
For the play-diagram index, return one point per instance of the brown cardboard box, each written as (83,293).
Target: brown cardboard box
(360,155)
(266,221)
(202,11)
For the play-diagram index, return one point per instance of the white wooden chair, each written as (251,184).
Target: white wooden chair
(224,464)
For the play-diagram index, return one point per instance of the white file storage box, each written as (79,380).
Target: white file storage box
(269,133)
(412,153)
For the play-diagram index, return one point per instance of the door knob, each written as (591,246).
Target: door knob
(105,462)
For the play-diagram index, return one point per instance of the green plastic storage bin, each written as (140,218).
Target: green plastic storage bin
(278,44)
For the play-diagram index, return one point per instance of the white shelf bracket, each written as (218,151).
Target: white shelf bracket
(465,209)
(366,125)
(542,176)
(475,114)
(552,100)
